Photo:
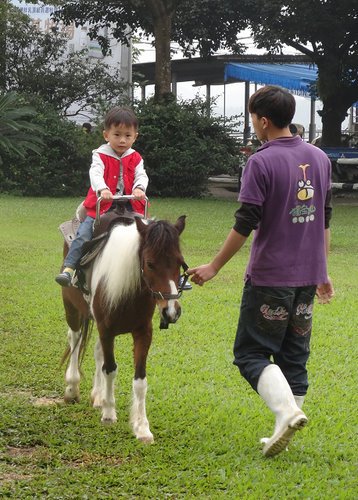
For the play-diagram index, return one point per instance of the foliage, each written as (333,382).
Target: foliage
(192,22)
(205,26)
(327,33)
(182,146)
(72,83)
(61,169)
(18,135)
(206,419)
(209,25)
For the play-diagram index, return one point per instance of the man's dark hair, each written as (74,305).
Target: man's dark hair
(119,116)
(274,103)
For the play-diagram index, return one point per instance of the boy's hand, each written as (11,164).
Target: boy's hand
(138,193)
(106,194)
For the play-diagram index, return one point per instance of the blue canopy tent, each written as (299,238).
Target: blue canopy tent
(298,78)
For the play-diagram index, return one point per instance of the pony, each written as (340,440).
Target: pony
(138,268)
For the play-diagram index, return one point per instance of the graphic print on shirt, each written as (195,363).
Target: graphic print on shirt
(304,213)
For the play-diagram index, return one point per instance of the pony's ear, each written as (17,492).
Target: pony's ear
(180,224)
(142,228)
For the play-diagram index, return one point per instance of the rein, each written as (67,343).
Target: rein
(169,296)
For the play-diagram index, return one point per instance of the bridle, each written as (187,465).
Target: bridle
(168,296)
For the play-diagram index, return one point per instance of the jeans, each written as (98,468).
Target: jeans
(84,233)
(275,322)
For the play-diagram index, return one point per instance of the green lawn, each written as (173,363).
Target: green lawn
(205,418)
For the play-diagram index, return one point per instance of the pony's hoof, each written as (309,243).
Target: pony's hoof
(71,396)
(149,439)
(108,420)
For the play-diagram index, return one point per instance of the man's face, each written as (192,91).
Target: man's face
(120,137)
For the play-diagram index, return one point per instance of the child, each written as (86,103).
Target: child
(285,195)
(116,169)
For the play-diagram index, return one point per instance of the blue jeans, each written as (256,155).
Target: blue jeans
(84,233)
(275,322)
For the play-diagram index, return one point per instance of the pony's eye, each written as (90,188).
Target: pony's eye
(150,266)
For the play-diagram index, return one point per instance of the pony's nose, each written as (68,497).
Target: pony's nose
(170,315)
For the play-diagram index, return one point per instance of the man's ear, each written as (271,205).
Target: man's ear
(265,122)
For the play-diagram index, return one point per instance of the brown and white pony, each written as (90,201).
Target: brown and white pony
(138,268)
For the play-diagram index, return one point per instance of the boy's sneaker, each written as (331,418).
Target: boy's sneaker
(187,285)
(64,278)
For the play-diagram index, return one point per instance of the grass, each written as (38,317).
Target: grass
(205,418)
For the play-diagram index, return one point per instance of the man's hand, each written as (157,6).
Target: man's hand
(201,274)
(138,193)
(325,292)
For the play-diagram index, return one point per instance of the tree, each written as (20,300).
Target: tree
(154,17)
(71,83)
(209,24)
(18,135)
(325,31)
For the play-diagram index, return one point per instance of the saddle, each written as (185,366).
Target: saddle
(118,215)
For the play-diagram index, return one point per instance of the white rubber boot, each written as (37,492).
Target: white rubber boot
(299,401)
(275,391)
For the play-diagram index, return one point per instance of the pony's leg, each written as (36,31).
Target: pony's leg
(72,376)
(139,421)
(109,372)
(98,381)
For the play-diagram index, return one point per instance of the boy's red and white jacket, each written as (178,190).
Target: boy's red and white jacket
(123,173)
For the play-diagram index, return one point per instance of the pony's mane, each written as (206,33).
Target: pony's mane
(118,268)
(162,237)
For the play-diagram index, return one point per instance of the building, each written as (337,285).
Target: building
(78,39)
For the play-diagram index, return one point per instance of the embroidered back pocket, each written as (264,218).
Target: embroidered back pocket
(301,318)
(273,308)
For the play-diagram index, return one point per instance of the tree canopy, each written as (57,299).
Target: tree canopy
(324,30)
(38,64)
(327,32)
(199,25)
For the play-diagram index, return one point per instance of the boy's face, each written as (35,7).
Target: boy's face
(120,137)
(260,126)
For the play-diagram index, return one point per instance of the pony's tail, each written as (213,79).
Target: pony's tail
(85,335)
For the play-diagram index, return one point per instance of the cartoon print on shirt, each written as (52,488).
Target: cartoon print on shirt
(305,189)
(304,213)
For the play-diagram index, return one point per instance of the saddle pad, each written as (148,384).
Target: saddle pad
(69,230)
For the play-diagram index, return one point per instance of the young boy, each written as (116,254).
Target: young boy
(116,169)
(285,197)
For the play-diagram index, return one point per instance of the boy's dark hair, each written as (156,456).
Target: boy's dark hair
(119,116)
(274,103)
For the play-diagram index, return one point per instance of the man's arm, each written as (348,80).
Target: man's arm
(231,246)
(325,291)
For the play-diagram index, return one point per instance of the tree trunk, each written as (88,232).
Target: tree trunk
(337,96)
(333,113)
(162,34)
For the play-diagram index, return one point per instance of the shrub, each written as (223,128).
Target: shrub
(17,134)
(62,167)
(182,147)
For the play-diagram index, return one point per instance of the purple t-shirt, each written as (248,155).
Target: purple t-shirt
(289,179)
